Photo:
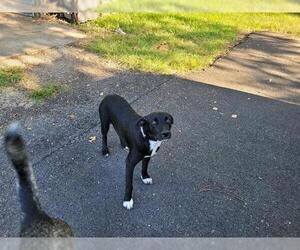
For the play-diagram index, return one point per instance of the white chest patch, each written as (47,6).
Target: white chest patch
(154,146)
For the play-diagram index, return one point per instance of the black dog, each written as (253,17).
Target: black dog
(141,135)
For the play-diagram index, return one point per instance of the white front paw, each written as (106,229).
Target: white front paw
(128,204)
(147,181)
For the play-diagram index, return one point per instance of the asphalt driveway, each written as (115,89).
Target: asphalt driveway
(230,169)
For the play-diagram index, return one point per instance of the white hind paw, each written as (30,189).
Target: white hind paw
(147,181)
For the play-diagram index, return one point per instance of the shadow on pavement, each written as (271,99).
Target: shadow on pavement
(229,170)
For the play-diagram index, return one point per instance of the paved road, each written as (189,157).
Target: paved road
(266,64)
(233,171)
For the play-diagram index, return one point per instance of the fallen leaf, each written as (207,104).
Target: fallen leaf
(92,139)
(215,108)
(120,31)
(234,116)
(162,46)
(72,116)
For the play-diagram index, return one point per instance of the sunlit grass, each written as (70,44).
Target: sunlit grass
(10,76)
(200,6)
(176,43)
(45,92)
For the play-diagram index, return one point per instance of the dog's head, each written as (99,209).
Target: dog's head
(156,126)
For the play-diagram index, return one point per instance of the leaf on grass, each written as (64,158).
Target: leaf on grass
(163,46)
(120,31)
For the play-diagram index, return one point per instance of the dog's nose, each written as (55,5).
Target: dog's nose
(166,135)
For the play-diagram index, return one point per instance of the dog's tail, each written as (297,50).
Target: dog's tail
(26,186)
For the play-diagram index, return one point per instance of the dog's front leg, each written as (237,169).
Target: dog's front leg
(133,158)
(145,176)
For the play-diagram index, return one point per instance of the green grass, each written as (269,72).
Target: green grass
(45,92)
(10,76)
(177,43)
(286,6)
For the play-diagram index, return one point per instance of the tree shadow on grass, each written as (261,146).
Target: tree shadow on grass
(169,40)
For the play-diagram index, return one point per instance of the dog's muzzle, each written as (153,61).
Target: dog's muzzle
(166,135)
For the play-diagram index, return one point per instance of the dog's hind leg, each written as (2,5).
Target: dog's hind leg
(123,144)
(104,130)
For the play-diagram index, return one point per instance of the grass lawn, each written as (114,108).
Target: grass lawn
(286,6)
(45,92)
(10,76)
(177,43)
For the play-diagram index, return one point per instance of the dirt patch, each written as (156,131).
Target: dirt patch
(13,98)
(264,64)
(21,35)
(59,66)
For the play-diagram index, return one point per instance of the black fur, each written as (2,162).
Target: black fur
(35,223)
(156,126)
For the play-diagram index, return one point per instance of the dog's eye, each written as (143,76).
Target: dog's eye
(154,122)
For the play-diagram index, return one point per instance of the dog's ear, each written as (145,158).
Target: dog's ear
(142,122)
(170,118)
